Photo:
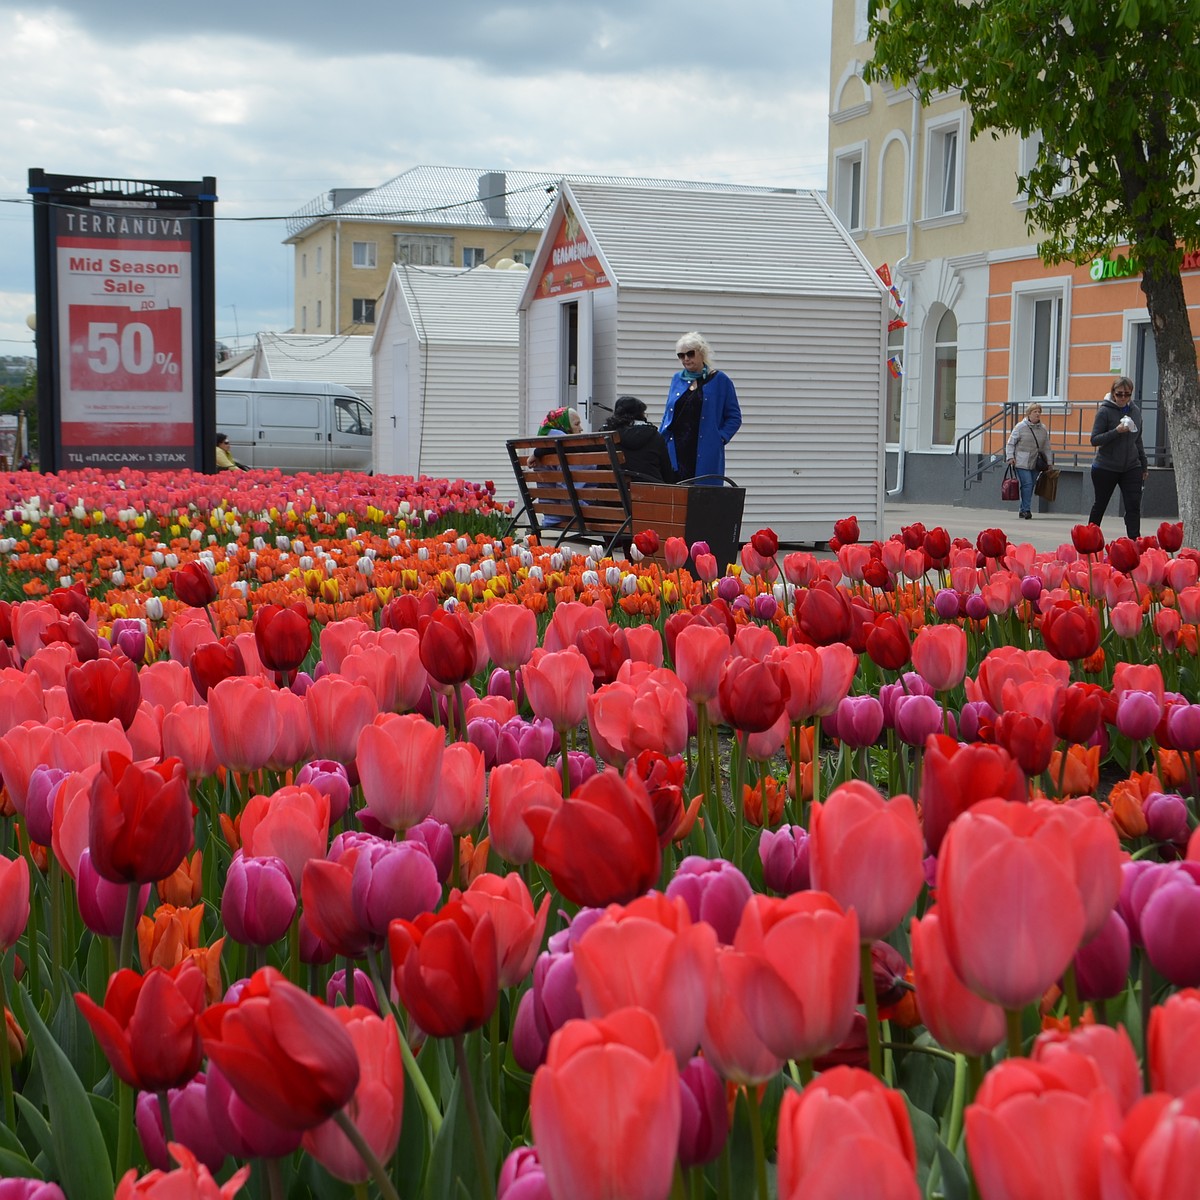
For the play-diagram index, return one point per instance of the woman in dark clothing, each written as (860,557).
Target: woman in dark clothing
(702,412)
(1120,460)
(645,449)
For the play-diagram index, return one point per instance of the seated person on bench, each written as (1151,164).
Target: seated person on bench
(558,422)
(647,459)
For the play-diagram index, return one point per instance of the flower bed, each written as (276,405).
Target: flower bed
(348,846)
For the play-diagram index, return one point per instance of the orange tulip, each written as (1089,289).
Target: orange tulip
(1081,775)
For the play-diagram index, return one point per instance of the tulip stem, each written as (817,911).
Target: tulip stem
(867,978)
(124,1125)
(386,1189)
(756,1137)
(128,928)
(1015,1040)
(31,927)
(164,1107)
(1071,991)
(494,1031)
(10,1106)
(678,1190)
(411,1067)
(468,1087)
(1146,988)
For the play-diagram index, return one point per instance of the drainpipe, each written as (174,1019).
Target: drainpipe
(909,225)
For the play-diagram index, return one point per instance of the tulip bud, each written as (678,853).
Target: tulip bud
(704,1114)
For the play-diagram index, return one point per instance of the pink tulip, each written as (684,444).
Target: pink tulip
(558,685)
(510,631)
(400,763)
(513,789)
(243,722)
(460,799)
(939,654)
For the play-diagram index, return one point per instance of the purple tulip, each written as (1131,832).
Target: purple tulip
(1137,881)
(331,779)
(581,766)
(259,900)
(1138,714)
(704,1114)
(190,1125)
(741,604)
(973,714)
(101,903)
(500,684)
(714,891)
(484,732)
(522,1178)
(699,548)
(39,802)
(976,607)
(1031,587)
(364,990)
(238,1128)
(729,588)
(784,856)
(528,1043)
(859,721)
(1166,817)
(917,717)
(765,606)
(391,881)
(438,840)
(1183,726)
(526,739)
(313,949)
(945,604)
(1102,965)
(1169,919)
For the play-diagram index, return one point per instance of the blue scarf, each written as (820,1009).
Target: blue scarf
(693,375)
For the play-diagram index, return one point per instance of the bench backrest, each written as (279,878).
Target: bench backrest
(576,478)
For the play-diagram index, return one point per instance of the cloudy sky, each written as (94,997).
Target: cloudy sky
(282,101)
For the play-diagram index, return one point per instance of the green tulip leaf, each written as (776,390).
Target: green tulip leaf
(38,1124)
(76,1144)
(452,1161)
(17,1166)
(954,1175)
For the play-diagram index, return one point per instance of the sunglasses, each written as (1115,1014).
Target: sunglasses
(1122,393)
(687,354)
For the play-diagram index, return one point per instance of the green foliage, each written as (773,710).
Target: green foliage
(1112,86)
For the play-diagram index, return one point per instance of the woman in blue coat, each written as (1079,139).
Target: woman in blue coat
(702,412)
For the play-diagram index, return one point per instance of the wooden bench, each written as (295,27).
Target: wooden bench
(577,482)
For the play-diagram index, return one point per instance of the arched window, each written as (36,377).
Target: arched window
(945,380)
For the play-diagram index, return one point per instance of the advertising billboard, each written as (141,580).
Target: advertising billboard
(125,335)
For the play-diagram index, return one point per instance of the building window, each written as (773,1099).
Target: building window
(362,254)
(363,312)
(304,318)
(319,249)
(427,250)
(472,256)
(524,257)
(895,384)
(304,266)
(944,168)
(861,25)
(1028,159)
(318,314)
(848,187)
(1039,350)
(945,380)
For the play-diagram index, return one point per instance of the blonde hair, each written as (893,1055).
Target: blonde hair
(1035,407)
(695,341)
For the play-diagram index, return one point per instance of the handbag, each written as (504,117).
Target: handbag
(1047,483)
(1010,487)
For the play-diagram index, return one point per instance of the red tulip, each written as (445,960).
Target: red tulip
(448,647)
(601,846)
(605,1109)
(147,1027)
(14,900)
(140,820)
(1170,536)
(823,613)
(518,929)
(194,584)
(1029,739)
(104,689)
(285,1054)
(796,974)
(1010,907)
(377,1106)
(1158,1154)
(867,853)
(558,685)
(400,763)
(214,661)
(513,789)
(650,955)
(847,1136)
(604,651)
(846,530)
(765,543)
(1077,712)
(283,636)
(446,969)
(958,1018)
(1087,539)
(1174,1046)
(647,542)
(752,695)
(510,631)
(1071,631)
(939,654)
(936,543)
(1035,1130)
(992,543)
(408,611)
(954,777)
(887,642)
(1123,554)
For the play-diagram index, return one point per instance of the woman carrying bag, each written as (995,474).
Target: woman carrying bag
(1028,451)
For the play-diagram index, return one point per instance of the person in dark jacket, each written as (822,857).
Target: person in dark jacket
(645,449)
(1120,460)
(702,412)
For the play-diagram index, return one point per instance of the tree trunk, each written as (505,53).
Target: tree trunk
(1178,387)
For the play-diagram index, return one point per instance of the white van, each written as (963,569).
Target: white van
(295,425)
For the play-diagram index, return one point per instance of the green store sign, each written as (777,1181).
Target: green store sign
(1121,266)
